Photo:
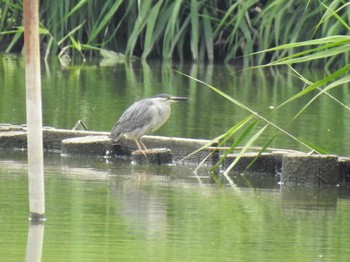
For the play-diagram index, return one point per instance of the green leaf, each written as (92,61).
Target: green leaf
(314,147)
(340,82)
(319,41)
(334,13)
(151,34)
(244,149)
(228,135)
(70,33)
(194,29)
(317,84)
(139,25)
(106,19)
(329,52)
(76,45)
(75,8)
(208,34)
(261,151)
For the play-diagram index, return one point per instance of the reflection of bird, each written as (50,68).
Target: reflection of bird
(143,117)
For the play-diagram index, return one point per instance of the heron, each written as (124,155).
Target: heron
(143,117)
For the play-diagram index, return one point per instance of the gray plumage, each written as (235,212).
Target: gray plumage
(143,117)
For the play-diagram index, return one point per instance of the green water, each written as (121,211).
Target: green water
(99,94)
(109,210)
(100,210)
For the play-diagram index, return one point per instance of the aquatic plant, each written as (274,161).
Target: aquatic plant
(324,49)
(198,30)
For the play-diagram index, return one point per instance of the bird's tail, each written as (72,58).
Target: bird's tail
(114,136)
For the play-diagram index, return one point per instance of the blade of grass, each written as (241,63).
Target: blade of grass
(172,32)
(75,9)
(106,19)
(314,147)
(319,41)
(14,40)
(226,135)
(151,33)
(247,108)
(260,152)
(317,84)
(76,45)
(318,55)
(302,78)
(208,35)
(70,34)
(194,29)
(223,21)
(244,149)
(178,40)
(334,13)
(240,138)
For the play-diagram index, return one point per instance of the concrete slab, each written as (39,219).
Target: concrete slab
(310,170)
(297,168)
(153,156)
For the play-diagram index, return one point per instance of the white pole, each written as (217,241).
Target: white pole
(35,242)
(34,114)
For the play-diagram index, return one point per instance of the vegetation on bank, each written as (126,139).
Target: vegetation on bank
(196,30)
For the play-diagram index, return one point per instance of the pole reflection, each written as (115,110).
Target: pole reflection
(35,241)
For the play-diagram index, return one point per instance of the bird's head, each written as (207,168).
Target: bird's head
(169,98)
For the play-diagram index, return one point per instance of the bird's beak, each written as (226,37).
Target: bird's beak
(178,98)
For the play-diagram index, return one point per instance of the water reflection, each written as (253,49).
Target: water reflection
(309,198)
(35,242)
(114,211)
(98,95)
(107,209)
(144,210)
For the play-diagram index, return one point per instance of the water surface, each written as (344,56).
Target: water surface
(99,210)
(109,210)
(99,94)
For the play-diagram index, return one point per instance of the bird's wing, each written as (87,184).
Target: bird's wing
(135,117)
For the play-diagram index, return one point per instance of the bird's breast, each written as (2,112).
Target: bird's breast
(160,116)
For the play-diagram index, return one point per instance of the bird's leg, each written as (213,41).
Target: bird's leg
(142,144)
(138,142)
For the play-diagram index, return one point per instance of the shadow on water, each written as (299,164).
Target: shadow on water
(101,209)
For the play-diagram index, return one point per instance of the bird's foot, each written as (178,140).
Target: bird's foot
(139,151)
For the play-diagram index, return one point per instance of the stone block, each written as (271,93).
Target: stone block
(309,170)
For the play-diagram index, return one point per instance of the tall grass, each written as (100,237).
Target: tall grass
(198,30)
(325,49)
